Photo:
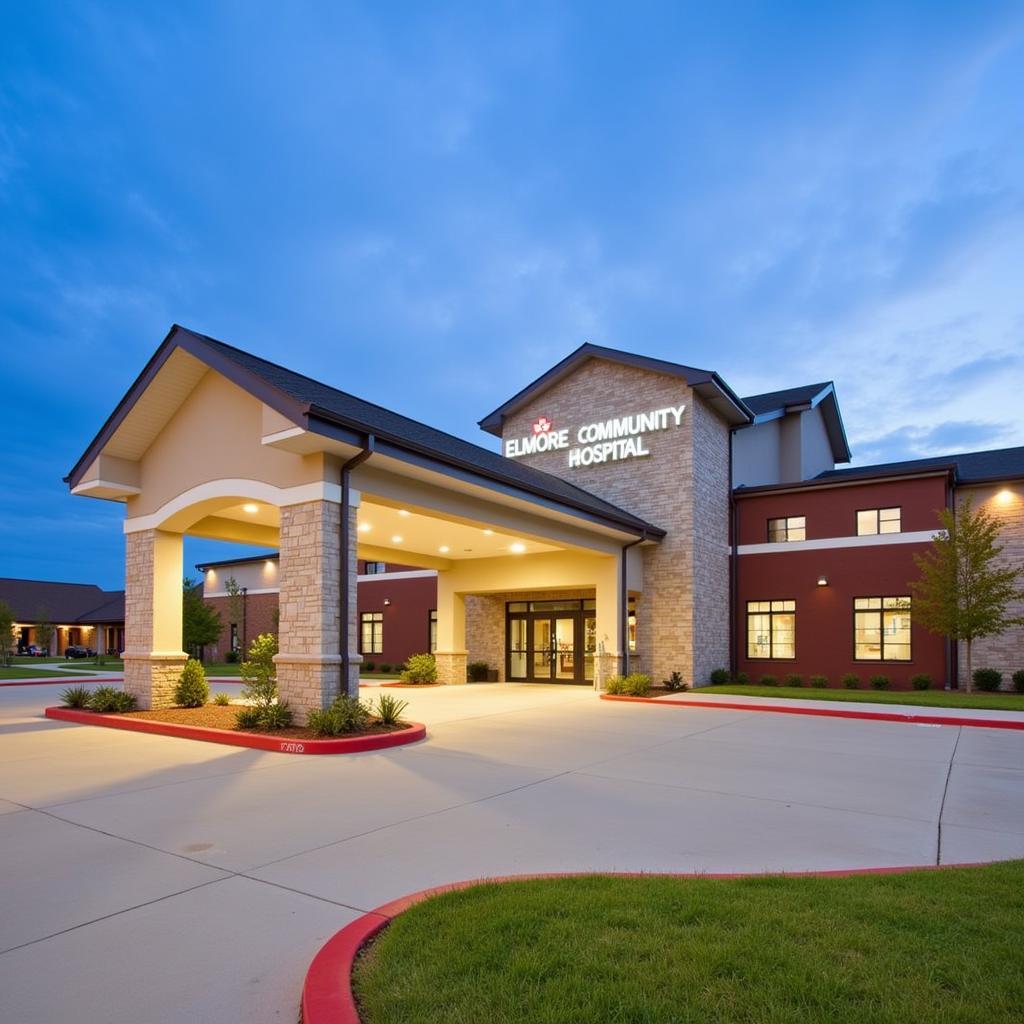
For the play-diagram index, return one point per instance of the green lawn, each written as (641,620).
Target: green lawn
(17,672)
(920,698)
(926,948)
(222,668)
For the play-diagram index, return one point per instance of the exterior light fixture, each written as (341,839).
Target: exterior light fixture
(823,581)
(251,507)
(396,539)
(444,549)
(364,527)
(488,533)
(1005,496)
(517,548)
(403,512)
(387,602)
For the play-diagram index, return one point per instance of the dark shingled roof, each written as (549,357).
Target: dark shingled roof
(772,401)
(970,467)
(62,603)
(330,404)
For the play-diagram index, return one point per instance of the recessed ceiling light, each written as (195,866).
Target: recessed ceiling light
(365,527)
(403,512)
(396,539)
(444,549)
(251,508)
(517,548)
(488,533)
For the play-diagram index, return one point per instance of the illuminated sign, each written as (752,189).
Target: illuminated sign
(622,437)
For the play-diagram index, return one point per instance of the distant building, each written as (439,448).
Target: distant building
(82,614)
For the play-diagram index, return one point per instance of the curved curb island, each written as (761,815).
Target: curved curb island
(414,732)
(871,716)
(327,996)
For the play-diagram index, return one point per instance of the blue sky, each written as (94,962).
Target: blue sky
(428,205)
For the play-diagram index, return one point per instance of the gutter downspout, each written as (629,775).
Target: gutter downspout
(734,567)
(952,647)
(624,601)
(345,605)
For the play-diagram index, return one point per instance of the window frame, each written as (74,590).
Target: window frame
(374,620)
(432,631)
(878,520)
(772,656)
(378,568)
(787,539)
(881,610)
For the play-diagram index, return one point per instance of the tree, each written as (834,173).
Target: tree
(44,629)
(259,673)
(6,632)
(963,593)
(200,624)
(236,608)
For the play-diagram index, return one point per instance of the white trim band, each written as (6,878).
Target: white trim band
(826,543)
(408,574)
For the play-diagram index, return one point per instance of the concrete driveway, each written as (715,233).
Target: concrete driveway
(149,879)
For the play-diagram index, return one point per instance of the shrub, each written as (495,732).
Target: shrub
(384,667)
(719,676)
(389,709)
(879,682)
(106,698)
(1018,681)
(477,671)
(638,684)
(989,679)
(75,697)
(922,681)
(231,658)
(851,681)
(369,666)
(248,718)
(769,681)
(819,682)
(794,679)
(615,685)
(675,683)
(259,673)
(420,668)
(742,679)
(192,690)
(277,716)
(346,714)
(221,699)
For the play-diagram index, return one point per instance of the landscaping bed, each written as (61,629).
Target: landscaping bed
(932,947)
(919,698)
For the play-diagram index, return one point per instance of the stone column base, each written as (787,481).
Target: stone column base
(605,666)
(451,666)
(152,677)
(308,681)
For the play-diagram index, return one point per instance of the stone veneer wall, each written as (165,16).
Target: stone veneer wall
(1006,652)
(676,630)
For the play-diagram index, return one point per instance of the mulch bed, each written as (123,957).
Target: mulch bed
(215,716)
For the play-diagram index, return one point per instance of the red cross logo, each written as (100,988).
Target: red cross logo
(542,425)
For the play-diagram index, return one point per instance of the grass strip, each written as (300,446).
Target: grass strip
(917,698)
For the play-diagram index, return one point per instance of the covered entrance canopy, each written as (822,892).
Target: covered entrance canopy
(215,442)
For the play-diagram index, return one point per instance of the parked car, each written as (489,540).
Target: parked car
(79,652)
(33,651)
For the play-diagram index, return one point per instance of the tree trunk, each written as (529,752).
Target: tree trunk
(970,670)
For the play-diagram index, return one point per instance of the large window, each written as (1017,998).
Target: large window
(881,628)
(790,528)
(374,568)
(878,520)
(771,630)
(371,633)
(432,631)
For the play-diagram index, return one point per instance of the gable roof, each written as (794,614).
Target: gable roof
(775,404)
(328,411)
(706,383)
(968,467)
(779,401)
(62,603)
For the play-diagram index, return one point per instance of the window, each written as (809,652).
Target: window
(632,625)
(234,637)
(878,520)
(881,628)
(371,633)
(771,630)
(790,528)
(432,631)
(373,568)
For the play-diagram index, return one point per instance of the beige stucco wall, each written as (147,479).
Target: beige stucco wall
(686,495)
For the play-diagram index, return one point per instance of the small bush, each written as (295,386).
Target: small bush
(819,682)
(615,685)
(231,658)
(742,679)
(675,683)
(420,668)
(248,718)
(192,690)
(389,709)
(768,681)
(851,681)
(794,679)
(259,673)
(222,700)
(277,716)
(322,723)
(106,698)
(369,666)
(638,684)
(719,676)
(988,679)
(476,671)
(922,681)
(75,697)
(1018,681)
(385,667)
(345,715)
(879,682)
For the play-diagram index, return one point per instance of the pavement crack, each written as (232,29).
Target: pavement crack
(945,790)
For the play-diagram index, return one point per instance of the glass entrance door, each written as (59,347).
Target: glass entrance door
(550,642)
(554,648)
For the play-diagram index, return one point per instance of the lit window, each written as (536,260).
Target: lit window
(881,628)
(373,568)
(790,528)
(432,631)
(771,630)
(371,633)
(878,520)
(632,625)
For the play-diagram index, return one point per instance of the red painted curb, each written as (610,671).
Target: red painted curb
(874,716)
(56,680)
(339,745)
(410,686)
(327,996)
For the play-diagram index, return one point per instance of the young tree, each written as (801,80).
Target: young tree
(6,632)
(962,592)
(44,629)
(259,673)
(200,624)
(236,609)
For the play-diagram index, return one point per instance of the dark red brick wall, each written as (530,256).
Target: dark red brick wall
(406,618)
(260,617)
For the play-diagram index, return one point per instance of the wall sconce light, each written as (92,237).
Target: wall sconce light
(822,581)
(387,601)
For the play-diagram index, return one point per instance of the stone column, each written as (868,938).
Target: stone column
(153,658)
(610,617)
(309,662)
(451,654)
